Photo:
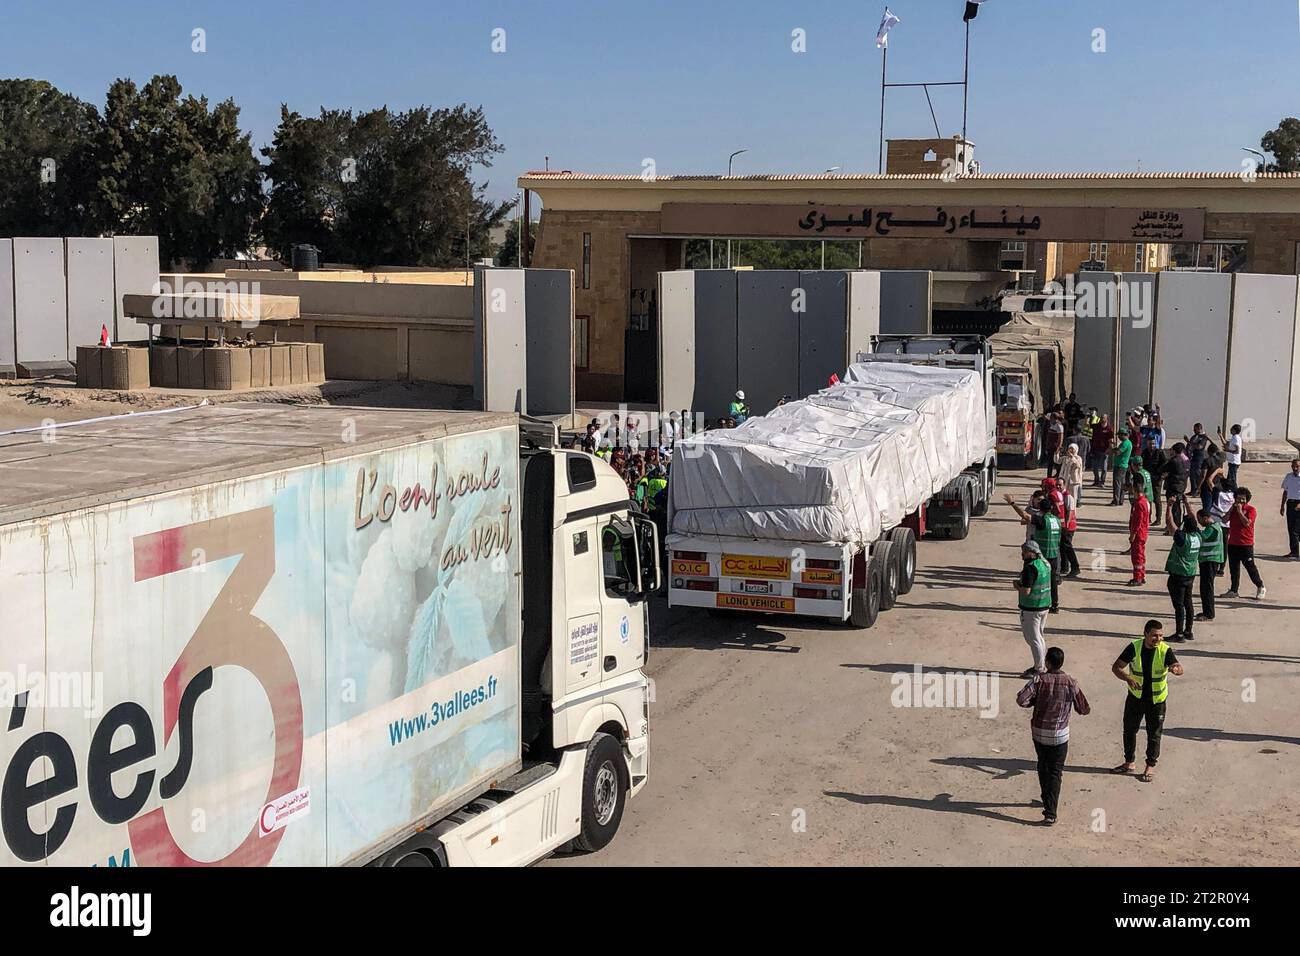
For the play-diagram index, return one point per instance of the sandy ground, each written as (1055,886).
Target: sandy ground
(761,723)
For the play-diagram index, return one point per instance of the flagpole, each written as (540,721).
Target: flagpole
(884,61)
(965,88)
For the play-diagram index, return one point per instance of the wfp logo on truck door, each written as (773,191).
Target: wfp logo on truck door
(228,634)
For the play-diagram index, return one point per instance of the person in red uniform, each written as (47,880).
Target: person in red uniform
(1241,545)
(1139,526)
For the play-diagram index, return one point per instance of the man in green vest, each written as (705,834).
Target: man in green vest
(1145,666)
(1182,566)
(1034,585)
(738,410)
(1045,531)
(1211,561)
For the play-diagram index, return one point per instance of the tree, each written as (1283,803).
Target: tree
(1284,144)
(50,156)
(508,254)
(181,171)
(382,187)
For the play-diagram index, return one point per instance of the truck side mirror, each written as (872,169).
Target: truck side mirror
(647,537)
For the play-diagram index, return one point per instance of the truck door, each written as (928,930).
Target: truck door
(584,601)
(623,605)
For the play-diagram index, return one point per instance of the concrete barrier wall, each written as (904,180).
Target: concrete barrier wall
(823,329)
(1261,353)
(677,339)
(1095,341)
(548,319)
(135,272)
(501,327)
(90,291)
(8,347)
(717,374)
(1193,310)
(770,332)
(767,329)
(864,311)
(40,302)
(906,302)
(1136,337)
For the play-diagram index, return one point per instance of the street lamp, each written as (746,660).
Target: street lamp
(731,159)
(1263,161)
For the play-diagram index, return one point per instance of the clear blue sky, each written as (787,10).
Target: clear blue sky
(598,85)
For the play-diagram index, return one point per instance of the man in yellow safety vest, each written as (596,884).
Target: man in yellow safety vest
(1145,665)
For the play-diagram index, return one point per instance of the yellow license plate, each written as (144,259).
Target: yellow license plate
(755,566)
(821,576)
(696,568)
(754,602)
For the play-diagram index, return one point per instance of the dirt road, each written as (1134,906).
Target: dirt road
(774,740)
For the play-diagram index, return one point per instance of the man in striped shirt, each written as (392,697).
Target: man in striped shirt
(1053,695)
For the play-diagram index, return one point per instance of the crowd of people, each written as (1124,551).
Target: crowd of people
(1156,479)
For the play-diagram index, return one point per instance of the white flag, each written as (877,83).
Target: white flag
(886,22)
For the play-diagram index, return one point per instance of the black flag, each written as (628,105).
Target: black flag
(972,9)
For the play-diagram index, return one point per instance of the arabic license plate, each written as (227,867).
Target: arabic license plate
(755,566)
(756,587)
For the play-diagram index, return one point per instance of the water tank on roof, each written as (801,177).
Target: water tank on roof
(306,258)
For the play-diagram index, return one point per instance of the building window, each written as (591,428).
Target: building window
(586,260)
(581,328)
(1139,261)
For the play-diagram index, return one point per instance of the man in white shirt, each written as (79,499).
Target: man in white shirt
(1232,449)
(1291,508)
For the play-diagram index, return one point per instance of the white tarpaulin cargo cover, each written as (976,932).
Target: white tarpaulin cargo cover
(837,467)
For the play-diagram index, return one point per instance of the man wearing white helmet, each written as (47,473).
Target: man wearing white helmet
(738,410)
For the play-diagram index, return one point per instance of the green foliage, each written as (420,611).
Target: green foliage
(37,122)
(382,187)
(805,254)
(376,188)
(1284,144)
(508,254)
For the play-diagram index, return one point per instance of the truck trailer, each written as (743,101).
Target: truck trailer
(815,508)
(1033,357)
(250,634)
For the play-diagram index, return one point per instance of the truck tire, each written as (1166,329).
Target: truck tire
(962,528)
(604,793)
(904,541)
(885,558)
(864,603)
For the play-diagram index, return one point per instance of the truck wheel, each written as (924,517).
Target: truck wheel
(864,605)
(604,793)
(962,528)
(887,558)
(904,541)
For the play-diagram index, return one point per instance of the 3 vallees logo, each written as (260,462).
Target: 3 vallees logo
(126,739)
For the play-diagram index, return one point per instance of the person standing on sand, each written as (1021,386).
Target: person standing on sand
(1053,696)
(1145,665)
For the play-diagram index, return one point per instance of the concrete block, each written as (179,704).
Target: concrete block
(8,353)
(40,303)
(135,271)
(89,266)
